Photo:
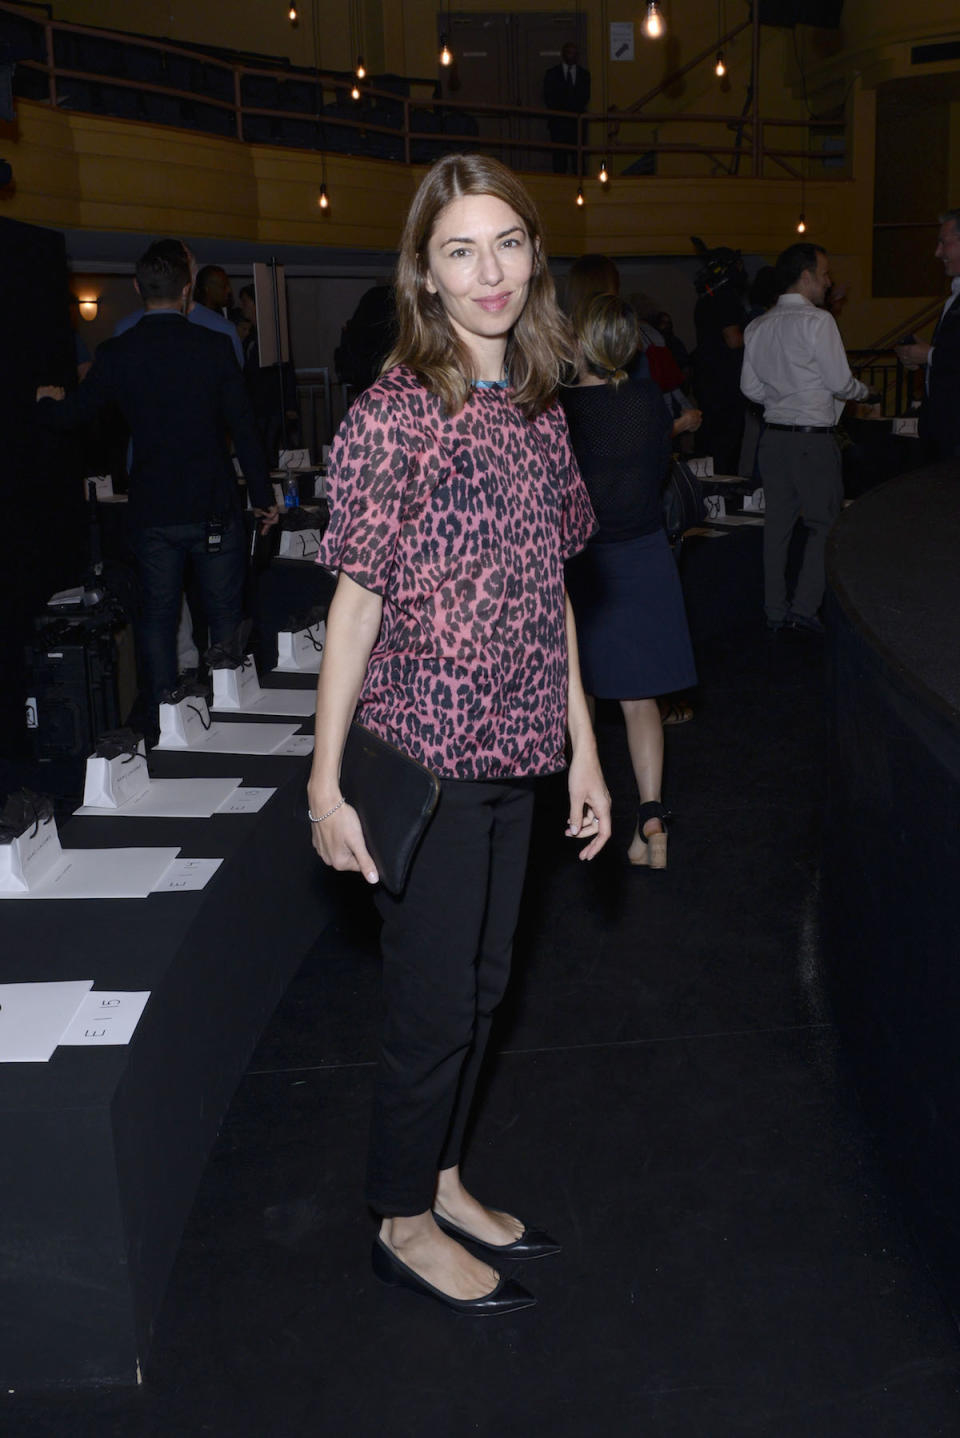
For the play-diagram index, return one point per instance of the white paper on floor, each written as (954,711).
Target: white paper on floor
(297,747)
(238,691)
(33,1017)
(175,799)
(104,1018)
(99,874)
(246,801)
(238,738)
(186,874)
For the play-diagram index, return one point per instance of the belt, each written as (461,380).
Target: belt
(805,428)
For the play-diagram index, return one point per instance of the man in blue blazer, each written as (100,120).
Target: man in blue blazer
(179,389)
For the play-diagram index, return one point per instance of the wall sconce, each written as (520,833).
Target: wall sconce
(88,308)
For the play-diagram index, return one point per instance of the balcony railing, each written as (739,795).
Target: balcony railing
(252,99)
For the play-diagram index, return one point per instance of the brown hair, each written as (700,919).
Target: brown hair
(539,347)
(609,336)
(588,276)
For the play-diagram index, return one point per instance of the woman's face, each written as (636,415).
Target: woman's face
(479,261)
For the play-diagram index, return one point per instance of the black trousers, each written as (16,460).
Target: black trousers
(447,943)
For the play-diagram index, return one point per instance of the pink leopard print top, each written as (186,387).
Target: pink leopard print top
(462,525)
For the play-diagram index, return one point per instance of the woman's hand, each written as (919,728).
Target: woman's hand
(339,841)
(589,803)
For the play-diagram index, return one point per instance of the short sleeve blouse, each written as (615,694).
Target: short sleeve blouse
(462,525)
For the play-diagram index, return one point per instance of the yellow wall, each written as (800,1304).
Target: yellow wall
(82,171)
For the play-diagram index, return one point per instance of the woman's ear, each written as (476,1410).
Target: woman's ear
(426,278)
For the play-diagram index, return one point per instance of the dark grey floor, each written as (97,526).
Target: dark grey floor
(668,1098)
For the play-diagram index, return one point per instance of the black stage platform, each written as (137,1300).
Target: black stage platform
(103,1148)
(892,846)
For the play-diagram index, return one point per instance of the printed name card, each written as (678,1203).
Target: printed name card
(25,861)
(906,424)
(103,485)
(715,506)
(702,466)
(754,503)
(302,648)
(111,783)
(294,459)
(299,544)
(236,688)
(104,1018)
(185,723)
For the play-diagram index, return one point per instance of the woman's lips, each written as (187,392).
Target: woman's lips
(493,303)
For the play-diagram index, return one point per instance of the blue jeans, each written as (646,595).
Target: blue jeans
(161,555)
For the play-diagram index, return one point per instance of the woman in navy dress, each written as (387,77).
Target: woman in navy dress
(631,626)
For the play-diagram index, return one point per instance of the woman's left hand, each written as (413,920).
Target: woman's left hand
(589,804)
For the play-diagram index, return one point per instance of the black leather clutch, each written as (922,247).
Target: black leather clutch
(394,796)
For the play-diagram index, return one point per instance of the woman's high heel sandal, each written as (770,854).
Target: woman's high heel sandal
(650,850)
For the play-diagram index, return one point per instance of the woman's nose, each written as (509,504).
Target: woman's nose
(491,272)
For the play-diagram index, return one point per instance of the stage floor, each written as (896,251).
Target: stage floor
(668,1098)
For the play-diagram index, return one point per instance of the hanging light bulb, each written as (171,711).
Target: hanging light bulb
(292,14)
(322,198)
(653,24)
(355,93)
(446,54)
(361,68)
(802,224)
(580,200)
(603,176)
(720,68)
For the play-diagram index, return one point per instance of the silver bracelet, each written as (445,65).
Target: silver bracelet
(319,820)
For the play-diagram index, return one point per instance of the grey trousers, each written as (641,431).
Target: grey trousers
(802,479)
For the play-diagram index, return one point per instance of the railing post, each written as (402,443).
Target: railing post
(757,144)
(51,72)
(238,100)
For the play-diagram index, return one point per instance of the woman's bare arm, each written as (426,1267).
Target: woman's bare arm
(353,624)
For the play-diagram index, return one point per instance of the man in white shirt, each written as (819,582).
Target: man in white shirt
(795,365)
(940,411)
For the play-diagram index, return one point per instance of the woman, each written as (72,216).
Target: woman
(631,626)
(454,501)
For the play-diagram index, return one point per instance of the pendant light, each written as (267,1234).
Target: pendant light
(653,24)
(604,175)
(580,200)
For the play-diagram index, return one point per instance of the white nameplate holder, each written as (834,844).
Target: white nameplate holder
(111,783)
(714,506)
(302,649)
(701,466)
(28,859)
(185,724)
(754,503)
(236,688)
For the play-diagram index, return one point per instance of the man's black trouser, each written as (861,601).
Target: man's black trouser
(161,553)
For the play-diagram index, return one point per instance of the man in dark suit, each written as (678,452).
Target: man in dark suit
(940,411)
(566,87)
(178,387)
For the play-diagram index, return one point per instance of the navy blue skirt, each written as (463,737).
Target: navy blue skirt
(631,625)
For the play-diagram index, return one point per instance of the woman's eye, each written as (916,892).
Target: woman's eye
(458,254)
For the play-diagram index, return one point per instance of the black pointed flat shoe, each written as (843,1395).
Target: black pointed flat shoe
(505,1298)
(532,1243)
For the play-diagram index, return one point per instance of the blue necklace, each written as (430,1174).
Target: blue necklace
(490,383)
